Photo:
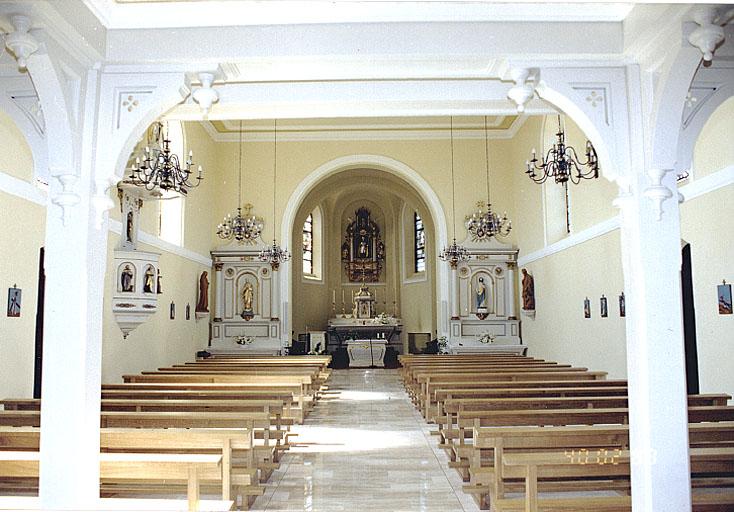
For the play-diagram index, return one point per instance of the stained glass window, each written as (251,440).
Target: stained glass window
(420,243)
(308,245)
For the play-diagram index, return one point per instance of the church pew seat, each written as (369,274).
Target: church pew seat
(266,453)
(23,503)
(558,465)
(227,442)
(491,444)
(191,468)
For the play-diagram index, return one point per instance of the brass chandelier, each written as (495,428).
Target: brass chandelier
(274,254)
(562,163)
(455,253)
(160,168)
(244,229)
(485,224)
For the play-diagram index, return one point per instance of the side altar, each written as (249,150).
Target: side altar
(483,300)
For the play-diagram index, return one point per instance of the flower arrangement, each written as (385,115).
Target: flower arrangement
(382,318)
(443,344)
(244,340)
(317,350)
(486,338)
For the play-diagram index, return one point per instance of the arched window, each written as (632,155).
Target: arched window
(171,212)
(312,245)
(308,245)
(419,244)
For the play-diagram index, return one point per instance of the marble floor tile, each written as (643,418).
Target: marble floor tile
(365,448)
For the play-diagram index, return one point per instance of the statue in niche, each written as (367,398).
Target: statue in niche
(149,284)
(127,279)
(160,288)
(247,299)
(202,305)
(129,227)
(528,291)
(481,298)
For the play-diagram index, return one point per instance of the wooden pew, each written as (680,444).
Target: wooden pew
(558,465)
(18,503)
(192,468)
(259,422)
(291,409)
(295,389)
(491,444)
(225,442)
(429,401)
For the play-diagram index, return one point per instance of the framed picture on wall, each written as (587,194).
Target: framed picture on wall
(188,311)
(724,293)
(587,308)
(14,301)
(173,311)
(622,306)
(603,307)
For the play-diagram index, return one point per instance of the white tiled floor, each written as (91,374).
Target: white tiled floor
(365,448)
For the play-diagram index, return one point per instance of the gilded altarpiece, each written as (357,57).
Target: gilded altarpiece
(245,302)
(485,288)
(363,250)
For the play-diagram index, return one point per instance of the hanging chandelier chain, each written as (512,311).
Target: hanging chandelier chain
(455,253)
(484,224)
(274,254)
(453,186)
(245,229)
(239,186)
(486,156)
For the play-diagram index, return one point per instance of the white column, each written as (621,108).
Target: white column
(511,285)
(274,295)
(75,263)
(219,292)
(454,292)
(655,351)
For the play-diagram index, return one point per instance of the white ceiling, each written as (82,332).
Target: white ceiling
(126,14)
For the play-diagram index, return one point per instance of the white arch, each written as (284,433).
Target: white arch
(382,163)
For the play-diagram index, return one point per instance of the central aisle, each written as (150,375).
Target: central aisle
(365,447)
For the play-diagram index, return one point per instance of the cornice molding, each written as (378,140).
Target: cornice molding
(423,131)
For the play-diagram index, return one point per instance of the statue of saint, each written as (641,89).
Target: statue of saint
(149,285)
(481,295)
(129,227)
(126,279)
(363,248)
(247,295)
(528,291)
(202,305)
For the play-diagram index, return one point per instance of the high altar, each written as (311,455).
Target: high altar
(483,300)
(365,334)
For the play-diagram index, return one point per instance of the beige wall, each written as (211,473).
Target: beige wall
(20,243)
(714,149)
(16,159)
(706,225)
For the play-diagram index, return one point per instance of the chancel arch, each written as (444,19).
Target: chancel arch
(379,199)
(389,168)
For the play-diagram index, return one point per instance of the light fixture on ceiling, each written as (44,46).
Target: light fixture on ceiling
(274,254)
(244,229)
(484,224)
(160,168)
(562,163)
(455,253)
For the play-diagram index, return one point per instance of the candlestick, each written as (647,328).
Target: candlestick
(333,296)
